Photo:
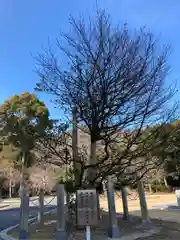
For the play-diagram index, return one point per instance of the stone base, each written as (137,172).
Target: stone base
(23,235)
(126,218)
(146,224)
(114,232)
(61,235)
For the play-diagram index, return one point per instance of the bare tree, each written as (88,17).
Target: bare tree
(55,148)
(155,177)
(42,178)
(10,176)
(113,77)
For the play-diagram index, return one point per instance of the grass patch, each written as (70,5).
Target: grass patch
(14,233)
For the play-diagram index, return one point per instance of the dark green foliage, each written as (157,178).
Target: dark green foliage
(24,119)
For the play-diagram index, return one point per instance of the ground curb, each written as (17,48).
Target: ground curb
(6,205)
(166,206)
(4,233)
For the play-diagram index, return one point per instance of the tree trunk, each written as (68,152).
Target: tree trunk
(75,148)
(150,188)
(165,182)
(24,215)
(10,182)
(22,172)
(92,160)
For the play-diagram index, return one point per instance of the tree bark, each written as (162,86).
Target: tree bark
(22,171)
(92,160)
(75,147)
(150,188)
(24,215)
(10,182)
(165,182)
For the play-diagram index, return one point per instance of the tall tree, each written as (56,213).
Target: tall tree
(42,178)
(56,148)
(23,120)
(114,78)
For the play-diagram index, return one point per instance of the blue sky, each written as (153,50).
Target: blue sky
(25,26)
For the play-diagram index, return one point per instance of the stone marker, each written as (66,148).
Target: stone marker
(87,207)
(114,231)
(61,218)
(41,208)
(177,192)
(144,210)
(125,203)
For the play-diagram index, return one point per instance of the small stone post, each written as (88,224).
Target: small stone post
(61,218)
(24,215)
(142,199)
(41,208)
(125,203)
(114,231)
(177,192)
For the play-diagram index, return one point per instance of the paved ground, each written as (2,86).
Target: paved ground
(168,220)
(163,226)
(169,231)
(166,215)
(11,216)
(10,213)
(15,202)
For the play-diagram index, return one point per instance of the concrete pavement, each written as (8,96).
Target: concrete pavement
(11,216)
(164,215)
(10,210)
